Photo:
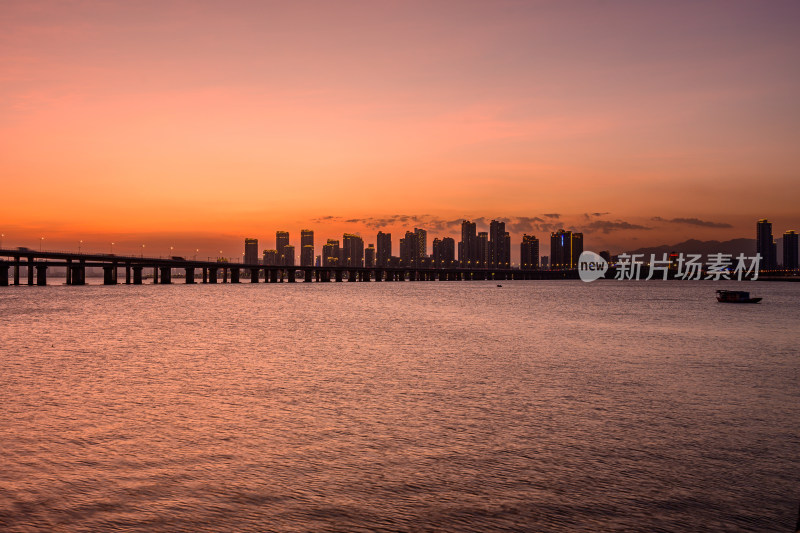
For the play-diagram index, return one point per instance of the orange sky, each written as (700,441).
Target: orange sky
(195,124)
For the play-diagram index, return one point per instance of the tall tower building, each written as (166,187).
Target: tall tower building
(436,253)
(444,253)
(565,249)
(270,257)
(384,249)
(352,250)
(281,242)
(483,250)
(288,255)
(422,242)
(529,253)
(330,253)
(765,245)
(560,256)
(497,244)
(306,239)
(447,252)
(577,249)
(790,250)
(369,256)
(467,248)
(307,255)
(506,257)
(409,249)
(251,251)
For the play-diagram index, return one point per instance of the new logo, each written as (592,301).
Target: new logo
(591,266)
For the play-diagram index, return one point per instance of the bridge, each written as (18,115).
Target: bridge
(136,269)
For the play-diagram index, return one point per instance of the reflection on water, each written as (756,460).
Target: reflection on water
(542,406)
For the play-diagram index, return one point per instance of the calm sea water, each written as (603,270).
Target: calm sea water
(441,406)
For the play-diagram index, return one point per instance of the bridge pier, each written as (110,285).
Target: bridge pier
(189,274)
(41,275)
(109,275)
(254,275)
(234,275)
(212,274)
(291,275)
(224,275)
(137,275)
(326,276)
(127,274)
(30,271)
(3,274)
(378,274)
(166,275)
(351,276)
(77,274)
(338,276)
(308,276)
(16,271)
(273,275)
(155,275)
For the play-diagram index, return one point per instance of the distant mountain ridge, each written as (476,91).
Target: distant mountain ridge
(693,246)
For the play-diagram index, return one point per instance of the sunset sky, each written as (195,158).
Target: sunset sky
(196,124)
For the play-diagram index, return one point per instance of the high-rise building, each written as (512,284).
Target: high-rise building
(251,251)
(281,241)
(506,256)
(409,249)
(790,250)
(352,250)
(307,255)
(529,253)
(422,242)
(384,249)
(436,253)
(288,255)
(443,253)
(497,244)
(765,245)
(330,253)
(369,256)
(270,257)
(306,239)
(565,249)
(482,250)
(467,248)
(447,252)
(577,249)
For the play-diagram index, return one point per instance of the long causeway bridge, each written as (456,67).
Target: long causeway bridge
(137,269)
